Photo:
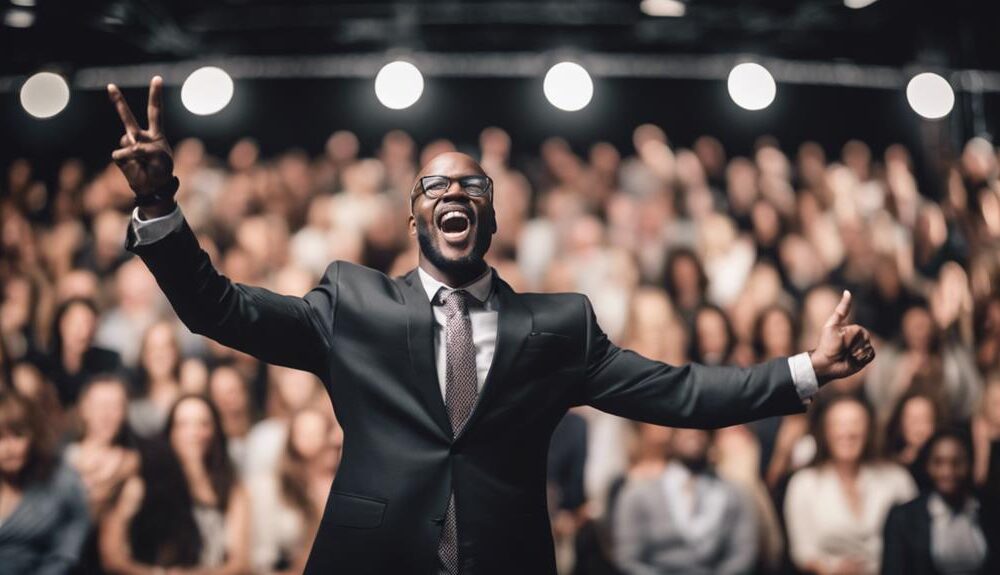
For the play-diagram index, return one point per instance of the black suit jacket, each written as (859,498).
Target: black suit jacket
(906,546)
(370,338)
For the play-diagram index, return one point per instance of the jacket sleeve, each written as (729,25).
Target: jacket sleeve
(624,383)
(279,329)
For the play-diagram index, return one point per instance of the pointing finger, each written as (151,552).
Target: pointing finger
(124,112)
(843,308)
(155,104)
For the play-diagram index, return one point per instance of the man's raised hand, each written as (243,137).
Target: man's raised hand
(844,349)
(144,156)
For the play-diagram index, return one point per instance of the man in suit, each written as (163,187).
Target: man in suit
(447,383)
(686,519)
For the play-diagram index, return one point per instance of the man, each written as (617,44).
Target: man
(686,519)
(447,383)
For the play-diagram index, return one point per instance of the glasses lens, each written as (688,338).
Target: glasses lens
(434,185)
(474,185)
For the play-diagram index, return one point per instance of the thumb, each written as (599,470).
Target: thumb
(840,314)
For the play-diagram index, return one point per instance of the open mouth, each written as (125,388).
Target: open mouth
(455,224)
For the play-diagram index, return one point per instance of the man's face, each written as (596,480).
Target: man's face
(690,447)
(454,229)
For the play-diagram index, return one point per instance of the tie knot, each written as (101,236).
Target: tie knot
(457,301)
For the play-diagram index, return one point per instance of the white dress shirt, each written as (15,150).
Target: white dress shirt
(957,543)
(484,318)
(482,315)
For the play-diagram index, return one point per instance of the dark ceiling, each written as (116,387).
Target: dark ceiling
(71,34)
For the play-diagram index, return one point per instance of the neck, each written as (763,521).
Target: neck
(955,500)
(846,468)
(453,278)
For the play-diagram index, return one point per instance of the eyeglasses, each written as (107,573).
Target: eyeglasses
(475,186)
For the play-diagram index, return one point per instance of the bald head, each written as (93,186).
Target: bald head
(451,164)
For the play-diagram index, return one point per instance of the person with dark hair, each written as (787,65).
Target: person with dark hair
(43,507)
(685,519)
(712,338)
(685,281)
(913,421)
(73,357)
(187,510)
(105,455)
(287,505)
(835,508)
(947,530)
(156,379)
(926,358)
(448,382)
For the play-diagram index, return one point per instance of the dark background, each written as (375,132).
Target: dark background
(285,113)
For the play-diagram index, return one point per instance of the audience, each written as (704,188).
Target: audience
(688,255)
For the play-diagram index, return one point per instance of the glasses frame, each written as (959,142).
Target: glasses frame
(487,191)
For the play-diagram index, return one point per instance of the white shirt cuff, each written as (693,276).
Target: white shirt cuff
(155,229)
(803,376)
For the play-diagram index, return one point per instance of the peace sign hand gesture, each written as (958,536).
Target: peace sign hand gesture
(144,156)
(844,349)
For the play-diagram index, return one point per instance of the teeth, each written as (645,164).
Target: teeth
(451,215)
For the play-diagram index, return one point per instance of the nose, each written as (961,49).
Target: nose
(455,191)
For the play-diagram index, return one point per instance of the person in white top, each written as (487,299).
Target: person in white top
(835,509)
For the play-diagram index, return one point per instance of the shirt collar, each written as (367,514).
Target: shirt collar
(937,507)
(479,288)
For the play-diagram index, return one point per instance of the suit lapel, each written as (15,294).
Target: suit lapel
(420,333)
(513,327)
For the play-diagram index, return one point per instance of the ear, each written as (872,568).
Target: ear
(493,220)
(411,223)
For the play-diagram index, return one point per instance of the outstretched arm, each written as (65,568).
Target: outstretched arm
(278,329)
(625,383)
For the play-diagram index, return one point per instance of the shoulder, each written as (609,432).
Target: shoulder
(805,480)
(891,474)
(905,514)
(636,489)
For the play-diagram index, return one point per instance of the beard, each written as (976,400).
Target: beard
(695,464)
(474,259)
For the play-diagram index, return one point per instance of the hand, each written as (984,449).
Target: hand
(144,156)
(843,350)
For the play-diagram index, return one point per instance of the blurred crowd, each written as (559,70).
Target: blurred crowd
(129,445)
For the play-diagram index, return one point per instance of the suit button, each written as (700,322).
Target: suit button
(439,520)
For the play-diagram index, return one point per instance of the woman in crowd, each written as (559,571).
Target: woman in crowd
(836,507)
(914,420)
(73,357)
(712,341)
(228,391)
(287,506)
(43,507)
(948,530)
(104,457)
(927,359)
(187,512)
(156,379)
(289,391)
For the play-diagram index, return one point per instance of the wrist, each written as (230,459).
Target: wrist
(819,367)
(159,202)
(156,210)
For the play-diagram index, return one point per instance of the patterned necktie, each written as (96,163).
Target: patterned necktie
(461,392)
